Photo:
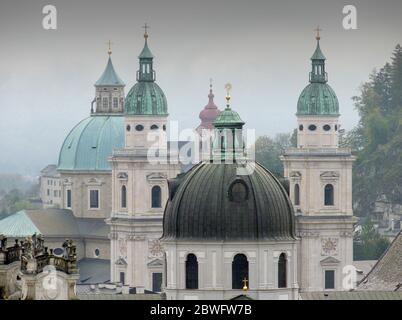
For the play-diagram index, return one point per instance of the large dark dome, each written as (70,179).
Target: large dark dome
(212,202)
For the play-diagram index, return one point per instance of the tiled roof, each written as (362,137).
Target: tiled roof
(386,274)
(352,295)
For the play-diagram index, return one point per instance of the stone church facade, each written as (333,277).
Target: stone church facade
(301,241)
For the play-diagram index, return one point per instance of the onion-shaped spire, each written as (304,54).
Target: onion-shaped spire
(209,113)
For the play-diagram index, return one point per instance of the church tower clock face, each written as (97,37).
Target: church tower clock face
(329,246)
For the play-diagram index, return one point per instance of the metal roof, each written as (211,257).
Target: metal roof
(90,143)
(228,118)
(52,223)
(146,98)
(18,225)
(146,52)
(202,205)
(94,271)
(318,99)
(318,55)
(109,77)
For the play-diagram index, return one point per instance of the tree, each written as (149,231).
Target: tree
(368,244)
(377,139)
(268,151)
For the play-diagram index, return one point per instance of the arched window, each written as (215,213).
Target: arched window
(238,191)
(156,197)
(282,265)
(297,194)
(123,197)
(329,195)
(239,271)
(191,272)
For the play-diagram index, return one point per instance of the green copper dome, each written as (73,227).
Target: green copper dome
(318,98)
(146,97)
(228,118)
(90,143)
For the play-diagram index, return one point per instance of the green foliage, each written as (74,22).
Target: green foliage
(268,151)
(377,140)
(368,244)
(15,200)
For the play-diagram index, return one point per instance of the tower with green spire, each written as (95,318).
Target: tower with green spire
(109,91)
(146,105)
(146,97)
(320,185)
(140,173)
(318,107)
(228,138)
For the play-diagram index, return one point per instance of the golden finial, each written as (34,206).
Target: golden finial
(146,27)
(109,51)
(228,87)
(245,288)
(318,37)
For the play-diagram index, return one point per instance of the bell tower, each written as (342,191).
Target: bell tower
(320,183)
(140,172)
(109,91)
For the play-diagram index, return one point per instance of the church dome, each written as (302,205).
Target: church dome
(318,99)
(90,143)
(213,202)
(146,98)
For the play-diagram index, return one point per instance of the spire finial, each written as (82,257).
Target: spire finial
(109,51)
(228,87)
(146,27)
(210,84)
(318,37)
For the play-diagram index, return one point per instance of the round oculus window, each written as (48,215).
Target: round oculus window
(154,127)
(128,128)
(301,127)
(312,127)
(327,127)
(139,127)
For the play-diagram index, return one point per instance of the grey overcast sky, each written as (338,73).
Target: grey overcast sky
(262,47)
